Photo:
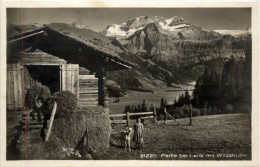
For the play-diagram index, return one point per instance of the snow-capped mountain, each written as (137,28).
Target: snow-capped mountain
(171,40)
(168,26)
(128,28)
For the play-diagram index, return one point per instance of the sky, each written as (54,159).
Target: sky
(99,18)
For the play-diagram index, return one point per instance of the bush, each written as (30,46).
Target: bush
(66,104)
(115,91)
(195,112)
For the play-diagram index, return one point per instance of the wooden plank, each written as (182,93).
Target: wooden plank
(76,82)
(63,75)
(8,88)
(94,91)
(72,76)
(51,121)
(88,86)
(147,117)
(9,79)
(30,126)
(118,121)
(20,92)
(27,36)
(11,88)
(87,77)
(127,118)
(23,122)
(15,90)
(87,105)
(42,63)
(88,101)
(169,114)
(86,96)
(117,115)
(141,113)
(95,80)
(68,78)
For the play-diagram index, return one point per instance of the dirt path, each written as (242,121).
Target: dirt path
(212,135)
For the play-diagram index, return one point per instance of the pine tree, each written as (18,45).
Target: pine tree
(162,104)
(139,108)
(144,106)
(186,97)
(127,109)
(151,108)
(229,80)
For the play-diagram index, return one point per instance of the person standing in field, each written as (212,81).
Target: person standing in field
(138,133)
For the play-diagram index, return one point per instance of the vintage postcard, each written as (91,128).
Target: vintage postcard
(100,83)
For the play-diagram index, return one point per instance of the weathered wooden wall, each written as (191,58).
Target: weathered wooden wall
(70,78)
(14,87)
(88,88)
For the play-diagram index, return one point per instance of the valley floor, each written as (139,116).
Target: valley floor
(136,97)
(215,137)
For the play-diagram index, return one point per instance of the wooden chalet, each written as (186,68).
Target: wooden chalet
(60,62)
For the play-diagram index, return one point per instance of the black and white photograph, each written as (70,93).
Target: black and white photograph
(129,83)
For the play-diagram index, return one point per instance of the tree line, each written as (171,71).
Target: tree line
(214,93)
(232,87)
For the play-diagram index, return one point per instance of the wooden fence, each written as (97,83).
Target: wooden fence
(146,115)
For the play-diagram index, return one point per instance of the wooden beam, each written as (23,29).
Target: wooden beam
(141,113)
(25,37)
(147,117)
(51,121)
(117,115)
(118,121)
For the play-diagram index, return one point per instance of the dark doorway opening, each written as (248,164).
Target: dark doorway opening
(48,75)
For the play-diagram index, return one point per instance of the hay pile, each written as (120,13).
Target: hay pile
(91,122)
(35,90)
(66,104)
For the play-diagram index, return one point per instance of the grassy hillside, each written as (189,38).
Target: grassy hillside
(221,137)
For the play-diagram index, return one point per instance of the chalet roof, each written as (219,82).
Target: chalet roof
(98,42)
(37,57)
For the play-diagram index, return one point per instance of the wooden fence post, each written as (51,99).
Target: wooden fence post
(165,117)
(127,118)
(154,114)
(190,114)
(51,121)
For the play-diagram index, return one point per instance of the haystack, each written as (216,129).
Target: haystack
(90,125)
(66,103)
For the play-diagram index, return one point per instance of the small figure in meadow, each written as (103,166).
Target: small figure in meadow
(138,133)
